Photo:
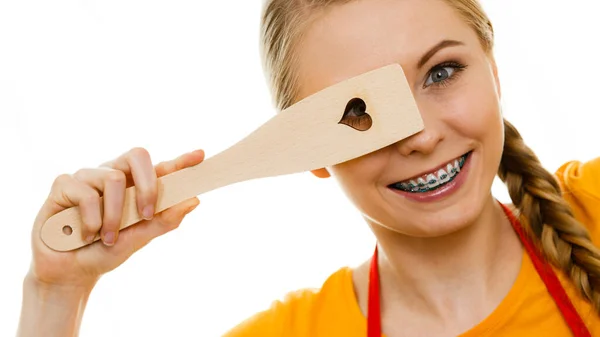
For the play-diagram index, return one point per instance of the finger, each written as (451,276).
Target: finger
(68,192)
(112,184)
(138,164)
(181,162)
(136,237)
(114,198)
(95,177)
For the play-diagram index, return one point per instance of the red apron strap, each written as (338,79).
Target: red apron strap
(374,314)
(543,268)
(550,279)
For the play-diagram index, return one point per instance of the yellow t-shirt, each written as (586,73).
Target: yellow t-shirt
(527,310)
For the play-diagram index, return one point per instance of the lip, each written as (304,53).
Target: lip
(442,192)
(441,166)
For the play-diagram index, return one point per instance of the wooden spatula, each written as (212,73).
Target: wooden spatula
(344,121)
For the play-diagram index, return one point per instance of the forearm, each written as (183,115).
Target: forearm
(51,311)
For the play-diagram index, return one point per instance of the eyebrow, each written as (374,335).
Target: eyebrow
(435,49)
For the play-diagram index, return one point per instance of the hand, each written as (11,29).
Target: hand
(84,266)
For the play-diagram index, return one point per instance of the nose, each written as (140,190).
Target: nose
(426,140)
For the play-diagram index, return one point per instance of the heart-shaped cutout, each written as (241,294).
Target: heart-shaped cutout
(356,116)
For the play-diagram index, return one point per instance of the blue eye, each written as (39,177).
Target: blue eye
(357,111)
(440,75)
(443,73)
(356,107)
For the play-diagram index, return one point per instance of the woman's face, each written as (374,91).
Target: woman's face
(454,82)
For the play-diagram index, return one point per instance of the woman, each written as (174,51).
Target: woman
(450,259)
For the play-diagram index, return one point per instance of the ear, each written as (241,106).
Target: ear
(321,173)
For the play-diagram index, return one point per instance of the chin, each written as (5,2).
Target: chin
(441,223)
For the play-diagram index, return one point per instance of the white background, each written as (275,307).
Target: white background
(82,81)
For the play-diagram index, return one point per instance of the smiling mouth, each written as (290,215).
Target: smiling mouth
(432,180)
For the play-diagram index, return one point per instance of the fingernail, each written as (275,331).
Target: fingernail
(90,238)
(109,238)
(148,212)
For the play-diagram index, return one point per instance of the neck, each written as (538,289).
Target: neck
(448,279)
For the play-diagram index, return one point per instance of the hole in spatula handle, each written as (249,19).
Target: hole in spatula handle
(67,230)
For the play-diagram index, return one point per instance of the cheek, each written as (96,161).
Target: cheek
(474,111)
(355,174)
(477,117)
(356,171)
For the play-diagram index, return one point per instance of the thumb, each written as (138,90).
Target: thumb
(135,237)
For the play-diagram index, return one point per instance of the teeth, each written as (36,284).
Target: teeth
(432,181)
(443,176)
(422,183)
(450,170)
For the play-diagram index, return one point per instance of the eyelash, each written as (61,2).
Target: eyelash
(458,68)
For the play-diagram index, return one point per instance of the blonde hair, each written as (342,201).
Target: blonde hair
(535,192)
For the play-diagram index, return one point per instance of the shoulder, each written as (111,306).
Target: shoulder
(580,183)
(581,178)
(299,311)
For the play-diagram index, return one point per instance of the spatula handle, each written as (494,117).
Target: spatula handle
(172,189)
